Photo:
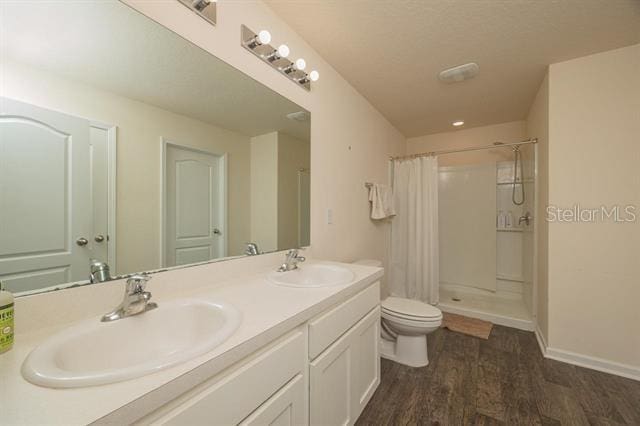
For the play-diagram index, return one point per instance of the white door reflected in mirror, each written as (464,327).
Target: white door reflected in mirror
(51,213)
(195,184)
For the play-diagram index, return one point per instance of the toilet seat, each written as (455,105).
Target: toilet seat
(412,322)
(408,318)
(413,310)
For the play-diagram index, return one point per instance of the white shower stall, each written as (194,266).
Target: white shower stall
(486,236)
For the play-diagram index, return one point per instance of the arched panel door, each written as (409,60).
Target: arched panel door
(45,200)
(194,204)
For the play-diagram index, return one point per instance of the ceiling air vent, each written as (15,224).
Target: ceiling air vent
(459,73)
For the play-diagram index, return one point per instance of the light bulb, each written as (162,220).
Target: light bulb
(264,37)
(314,75)
(300,64)
(283,51)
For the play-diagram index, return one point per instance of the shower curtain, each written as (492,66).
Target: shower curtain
(414,230)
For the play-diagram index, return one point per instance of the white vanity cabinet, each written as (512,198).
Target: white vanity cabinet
(346,372)
(273,377)
(321,373)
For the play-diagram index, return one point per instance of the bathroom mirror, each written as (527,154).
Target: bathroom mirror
(123,143)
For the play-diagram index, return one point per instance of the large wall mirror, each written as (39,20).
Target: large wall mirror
(123,143)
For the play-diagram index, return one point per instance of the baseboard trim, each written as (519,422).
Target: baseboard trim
(593,363)
(541,341)
(624,370)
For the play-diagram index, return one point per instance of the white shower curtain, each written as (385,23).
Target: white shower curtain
(414,230)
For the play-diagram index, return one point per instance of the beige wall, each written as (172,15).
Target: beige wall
(140,129)
(594,158)
(264,191)
(513,131)
(538,127)
(276,159)
(293,155)
(350,140)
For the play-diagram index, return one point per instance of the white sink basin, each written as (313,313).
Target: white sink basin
(94,353)
(313,275)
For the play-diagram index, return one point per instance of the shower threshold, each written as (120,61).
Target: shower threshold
(509,312)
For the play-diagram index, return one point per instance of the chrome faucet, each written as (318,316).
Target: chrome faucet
(252,249)
(291,261)
(98,271)
(136,300)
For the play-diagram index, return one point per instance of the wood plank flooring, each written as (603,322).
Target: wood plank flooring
(500,381)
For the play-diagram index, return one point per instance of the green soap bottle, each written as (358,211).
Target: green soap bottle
(6,320)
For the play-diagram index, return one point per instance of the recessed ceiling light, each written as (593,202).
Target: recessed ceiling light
(458,123)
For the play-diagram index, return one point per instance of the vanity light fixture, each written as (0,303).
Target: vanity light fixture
(263,37)
(457,123)
(258,44)
(312,76)
(280,53)
(299,65)
(206,9)
(201,5)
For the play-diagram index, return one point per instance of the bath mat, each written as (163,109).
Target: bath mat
(471,326)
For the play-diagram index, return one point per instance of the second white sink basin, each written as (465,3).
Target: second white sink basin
(313,275)
(94,353)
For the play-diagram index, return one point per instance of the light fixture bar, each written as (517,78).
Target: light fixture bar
(276,58)
(206,9)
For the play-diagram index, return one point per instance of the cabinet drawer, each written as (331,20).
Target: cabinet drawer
(229,399)
(329,326)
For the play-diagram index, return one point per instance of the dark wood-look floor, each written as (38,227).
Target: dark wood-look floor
(503,380)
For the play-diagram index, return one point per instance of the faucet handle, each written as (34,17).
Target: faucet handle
(136,283)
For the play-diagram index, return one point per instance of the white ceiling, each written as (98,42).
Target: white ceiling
(111,46)
(392,51)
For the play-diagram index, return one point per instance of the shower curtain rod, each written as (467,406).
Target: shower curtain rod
(477,148)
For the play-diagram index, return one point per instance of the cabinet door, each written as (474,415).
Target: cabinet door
(330,386)
(343,377)
(366,365)
(285,408)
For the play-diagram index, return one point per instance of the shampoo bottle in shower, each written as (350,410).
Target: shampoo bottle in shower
(6,320)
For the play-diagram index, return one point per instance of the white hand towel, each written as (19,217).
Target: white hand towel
(381,197)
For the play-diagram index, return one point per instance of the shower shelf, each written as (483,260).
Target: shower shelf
(509,229)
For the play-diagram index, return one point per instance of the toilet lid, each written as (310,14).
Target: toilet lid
(414,308)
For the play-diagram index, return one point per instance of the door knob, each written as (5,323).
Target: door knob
(82,241)
(99,238)
(217,231)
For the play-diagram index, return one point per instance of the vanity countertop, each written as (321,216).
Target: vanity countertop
(268,312)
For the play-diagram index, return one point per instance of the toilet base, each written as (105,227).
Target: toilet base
(406,350)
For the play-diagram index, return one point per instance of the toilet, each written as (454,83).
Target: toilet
(405,325)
